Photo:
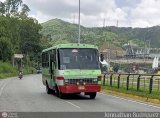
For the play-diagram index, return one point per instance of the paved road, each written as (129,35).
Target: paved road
(29,94)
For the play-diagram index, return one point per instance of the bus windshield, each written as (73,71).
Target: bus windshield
(78,59)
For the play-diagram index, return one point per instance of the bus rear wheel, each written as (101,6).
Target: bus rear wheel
(93,95)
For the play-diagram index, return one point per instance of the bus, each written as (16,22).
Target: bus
(71,69)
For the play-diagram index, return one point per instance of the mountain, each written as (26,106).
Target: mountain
(59,31)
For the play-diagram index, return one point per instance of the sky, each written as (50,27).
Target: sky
(128,13)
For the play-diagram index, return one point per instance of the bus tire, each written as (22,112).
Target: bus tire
(61,95)
(92,95)
(58,93)
(48,90)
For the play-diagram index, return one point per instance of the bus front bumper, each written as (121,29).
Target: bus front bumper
(79,88)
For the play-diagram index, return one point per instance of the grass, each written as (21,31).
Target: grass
(5,75)
(143,91)
(29,70)
(144,82)
(7,70)
(154,95)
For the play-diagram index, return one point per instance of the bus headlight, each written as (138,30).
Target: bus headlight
(77,83)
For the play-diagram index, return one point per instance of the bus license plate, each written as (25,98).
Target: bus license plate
(81,87)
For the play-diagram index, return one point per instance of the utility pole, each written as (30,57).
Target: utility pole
(145,42)
(117,23)
(109,51)
(79,37)
(104,22)
(149,45)
(74,18)
(117,37)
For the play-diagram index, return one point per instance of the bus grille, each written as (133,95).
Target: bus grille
(81,81)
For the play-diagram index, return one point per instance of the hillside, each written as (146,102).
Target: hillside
(59,31)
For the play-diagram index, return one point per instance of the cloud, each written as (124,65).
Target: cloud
(146,14)
(41,17)
(2,0)
(129,13)
(92,11)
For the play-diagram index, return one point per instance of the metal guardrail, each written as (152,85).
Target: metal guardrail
(132,80)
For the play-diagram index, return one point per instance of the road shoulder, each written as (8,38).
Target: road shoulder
(134,97)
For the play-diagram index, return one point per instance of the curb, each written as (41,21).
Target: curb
(144,99)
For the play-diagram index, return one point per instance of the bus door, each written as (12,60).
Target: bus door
(52,68)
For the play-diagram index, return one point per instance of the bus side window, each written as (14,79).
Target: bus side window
(44,60)
(52,60)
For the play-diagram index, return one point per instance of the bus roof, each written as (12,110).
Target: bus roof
(71,45)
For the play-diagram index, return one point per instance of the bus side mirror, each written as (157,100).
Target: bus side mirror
(101,57)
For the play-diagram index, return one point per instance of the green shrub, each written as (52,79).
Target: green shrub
(7,70)
(29,70)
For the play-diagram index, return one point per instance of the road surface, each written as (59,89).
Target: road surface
(29,95)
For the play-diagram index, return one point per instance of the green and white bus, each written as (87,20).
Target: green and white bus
(71,69)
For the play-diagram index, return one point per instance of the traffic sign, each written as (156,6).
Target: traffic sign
(20,56)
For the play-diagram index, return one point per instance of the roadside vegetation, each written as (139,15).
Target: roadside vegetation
(141,93)
(19,34)
(7,70)
(143,88)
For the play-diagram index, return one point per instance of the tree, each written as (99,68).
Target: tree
(2,8)
(12,6)
(5,49)
(18,32)
(24,11)
(30,37)
(5,42)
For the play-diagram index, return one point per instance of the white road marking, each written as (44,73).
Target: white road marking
(73,104)
(131,100)
(3,86)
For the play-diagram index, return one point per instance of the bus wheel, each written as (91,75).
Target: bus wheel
(48,90)
(56,91)
(61,95)
(93,95)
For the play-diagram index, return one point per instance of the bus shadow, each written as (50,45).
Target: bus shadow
(73,97)
(76,97)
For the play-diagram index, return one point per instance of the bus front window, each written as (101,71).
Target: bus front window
(78,59)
